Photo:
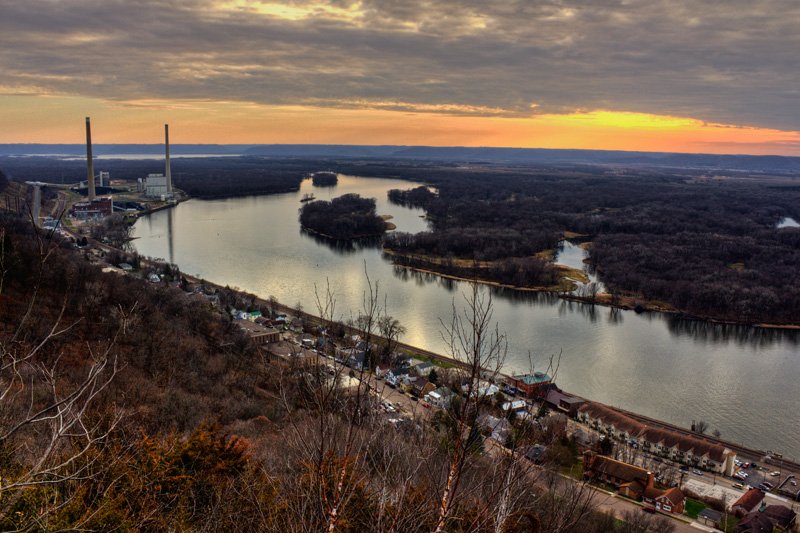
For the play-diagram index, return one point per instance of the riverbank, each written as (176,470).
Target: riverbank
(639,305)
(445,361)
(570,276)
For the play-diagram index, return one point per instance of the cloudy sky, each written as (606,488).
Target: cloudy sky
(669,75)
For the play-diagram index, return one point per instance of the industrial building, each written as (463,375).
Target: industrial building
(97,208)
(155,186)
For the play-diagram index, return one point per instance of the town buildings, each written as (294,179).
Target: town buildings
(658,441)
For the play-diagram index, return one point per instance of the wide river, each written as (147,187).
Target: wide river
(744,382)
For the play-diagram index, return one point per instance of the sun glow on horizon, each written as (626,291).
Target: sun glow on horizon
(33,119)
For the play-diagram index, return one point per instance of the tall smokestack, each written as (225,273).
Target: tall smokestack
(37,202)
(169,174)
(89,162)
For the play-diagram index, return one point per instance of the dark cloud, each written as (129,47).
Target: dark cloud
(730,61)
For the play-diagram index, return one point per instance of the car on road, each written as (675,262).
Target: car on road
(776,473)
(764,488)
(738,486)
(768,484)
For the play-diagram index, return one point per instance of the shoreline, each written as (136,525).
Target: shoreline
(563,268)
(421,353)
(626,303)
(445,360)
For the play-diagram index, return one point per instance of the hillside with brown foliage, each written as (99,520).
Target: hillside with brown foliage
(126,406)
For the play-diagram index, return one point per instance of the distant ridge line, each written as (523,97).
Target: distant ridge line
(763,163)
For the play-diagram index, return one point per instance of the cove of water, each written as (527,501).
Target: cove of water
(743,381)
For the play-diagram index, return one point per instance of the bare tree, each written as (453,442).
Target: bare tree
(391,330)
(47,427)
(474,342)
(700,427)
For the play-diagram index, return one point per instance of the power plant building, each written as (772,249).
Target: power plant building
(155,186)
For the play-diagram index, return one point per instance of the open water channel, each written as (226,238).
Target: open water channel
(743,381)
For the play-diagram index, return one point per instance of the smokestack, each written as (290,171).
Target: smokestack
(37,202)
(89,162)
(169,174)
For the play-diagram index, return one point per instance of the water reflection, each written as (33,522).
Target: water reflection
(588,311)
(341,246)
(423,278)
(615,316)
(709,332)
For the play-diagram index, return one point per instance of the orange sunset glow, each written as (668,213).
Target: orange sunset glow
(231,123)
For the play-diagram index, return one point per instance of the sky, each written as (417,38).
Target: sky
(657,75)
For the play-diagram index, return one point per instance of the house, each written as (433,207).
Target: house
(534,453)
(498,428)
(564,402)
(767,520)
(422,369)
(710,517)
(481,388)
(529,384)
(382,370)
(630,480)
(516,406)
(351,357)
(395,375)
(422,387)
(660,441)
(287,353)
(258,334)
(357,360)
(671,500)
(749,501)
(440,397)
(407,383)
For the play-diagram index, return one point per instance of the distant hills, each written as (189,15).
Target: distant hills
(455,154)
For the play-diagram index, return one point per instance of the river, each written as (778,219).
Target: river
(742,381)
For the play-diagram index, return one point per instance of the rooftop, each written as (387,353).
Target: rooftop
(531,379)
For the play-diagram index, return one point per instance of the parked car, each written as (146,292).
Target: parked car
(648,509)
(745,465)
(773,474)
(738,486)
(768,484)
(697,473)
